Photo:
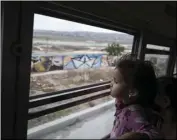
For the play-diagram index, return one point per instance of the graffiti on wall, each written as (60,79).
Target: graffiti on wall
(82,61)
(68,62)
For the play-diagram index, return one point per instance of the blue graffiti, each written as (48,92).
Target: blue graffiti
(50,62)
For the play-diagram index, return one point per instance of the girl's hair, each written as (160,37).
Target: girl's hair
(168,86)
(141,76)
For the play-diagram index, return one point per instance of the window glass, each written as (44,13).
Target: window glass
(150,46)
(160,63)
(68,54)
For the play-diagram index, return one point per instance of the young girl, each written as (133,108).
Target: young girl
(134,88)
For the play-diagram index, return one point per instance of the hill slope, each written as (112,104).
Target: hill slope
(84,36)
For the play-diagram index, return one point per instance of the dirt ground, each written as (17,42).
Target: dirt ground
(58,80)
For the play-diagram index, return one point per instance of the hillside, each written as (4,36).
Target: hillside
(84,36)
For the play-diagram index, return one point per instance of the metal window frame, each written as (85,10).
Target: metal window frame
(136,42)
(16,83)
(171,61)
(16,56)
(155,51)
(141,45)
(8,78)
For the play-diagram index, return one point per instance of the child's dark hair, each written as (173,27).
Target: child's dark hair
(167,86)
(141,75)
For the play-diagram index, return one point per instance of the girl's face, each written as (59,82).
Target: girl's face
(119,88)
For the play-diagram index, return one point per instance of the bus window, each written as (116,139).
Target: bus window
(160,63)
(64,49)
(68,54)
(156,47)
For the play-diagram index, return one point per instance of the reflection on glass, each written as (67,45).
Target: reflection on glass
(159,61)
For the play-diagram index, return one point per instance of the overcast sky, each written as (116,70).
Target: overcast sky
(55,24)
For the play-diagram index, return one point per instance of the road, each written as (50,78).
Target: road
(94,127)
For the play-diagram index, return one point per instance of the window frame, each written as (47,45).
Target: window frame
(15,121)
(161,52)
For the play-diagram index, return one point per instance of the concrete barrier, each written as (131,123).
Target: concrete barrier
(37,132)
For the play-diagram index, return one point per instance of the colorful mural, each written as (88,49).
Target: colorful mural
(82,61)
(67,62)
(42,64)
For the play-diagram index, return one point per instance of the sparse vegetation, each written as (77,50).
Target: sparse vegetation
(114,49)
(68,79)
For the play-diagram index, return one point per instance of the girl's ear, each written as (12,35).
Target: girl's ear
(133,92)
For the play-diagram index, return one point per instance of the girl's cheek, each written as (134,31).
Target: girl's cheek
(114,91)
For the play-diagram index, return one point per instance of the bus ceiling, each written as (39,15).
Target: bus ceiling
(156,19)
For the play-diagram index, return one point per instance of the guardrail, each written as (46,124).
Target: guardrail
(36,101)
